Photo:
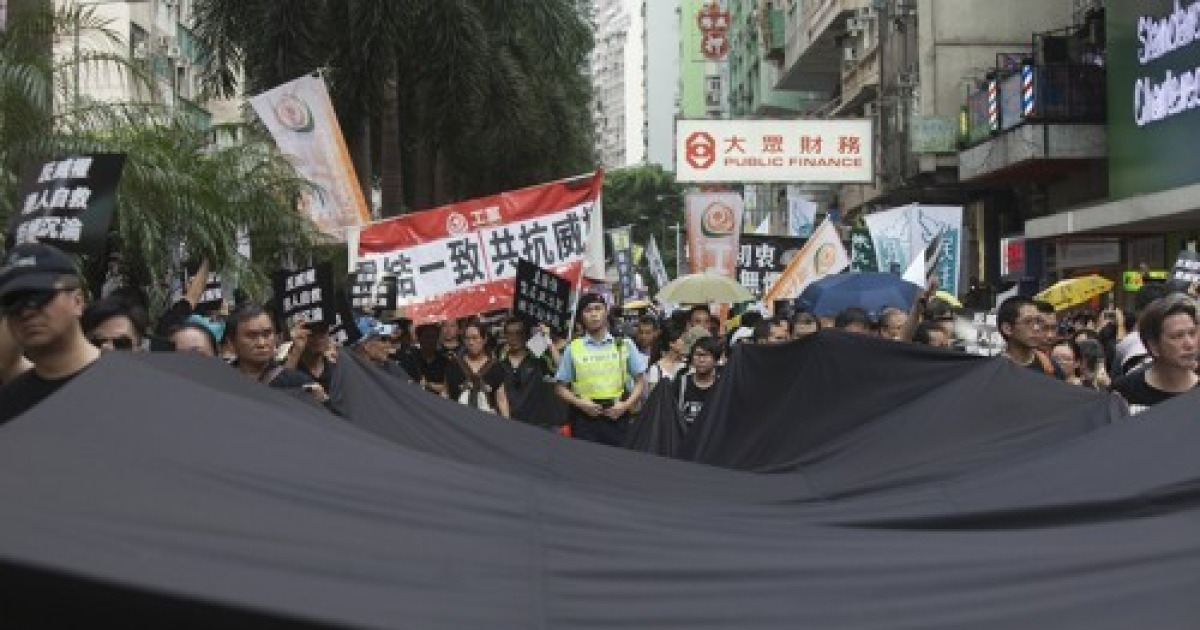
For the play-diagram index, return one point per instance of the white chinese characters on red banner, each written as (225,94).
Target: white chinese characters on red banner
(831,151)
(460,260)
(714,31)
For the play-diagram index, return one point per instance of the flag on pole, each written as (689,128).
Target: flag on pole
(654,260)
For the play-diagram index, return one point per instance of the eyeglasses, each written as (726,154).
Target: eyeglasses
(117,343)
(28,300)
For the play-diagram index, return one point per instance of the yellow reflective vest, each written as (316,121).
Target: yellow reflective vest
(600,371)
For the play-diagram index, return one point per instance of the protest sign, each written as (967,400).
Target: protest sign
(714,224)
(899,234)
(1187,267)
(762,259)
(305,295)
(344,331)
(657,269)
(460,260)
(622,247)
(540,297)
(69,203)
(301,118)
(822,255)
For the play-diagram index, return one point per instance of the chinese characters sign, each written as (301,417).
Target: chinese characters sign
(542,297)
(713,22)
(1187,267)
(460,260)
(622,248)
(714,223)
(69,203)
(305,295)
(782,151)
(762,259)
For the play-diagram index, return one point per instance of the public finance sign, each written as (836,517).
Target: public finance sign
(774,151)
(461,259)
(1153,95)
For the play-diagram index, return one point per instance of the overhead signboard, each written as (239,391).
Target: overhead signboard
(775,151)
(1153,95)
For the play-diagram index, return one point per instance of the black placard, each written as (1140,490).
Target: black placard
(69,203)
(371,288)
(542,297)
(305,295)
(762,259)
(344,330)
(214,289)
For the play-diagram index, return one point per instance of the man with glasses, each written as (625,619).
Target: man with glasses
(41,301)
(1021,324)
(112,323)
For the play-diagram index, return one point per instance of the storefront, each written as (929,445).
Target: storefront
(1153,209)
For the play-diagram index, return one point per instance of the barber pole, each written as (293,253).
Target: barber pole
(994,105)
(1027,102)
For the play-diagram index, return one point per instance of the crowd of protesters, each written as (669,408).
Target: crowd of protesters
(589,386)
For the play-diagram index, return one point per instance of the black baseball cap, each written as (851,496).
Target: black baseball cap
(34,267)
(587,299)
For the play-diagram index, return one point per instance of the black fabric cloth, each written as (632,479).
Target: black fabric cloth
(659,428)
(1004,500)
(26,390)
(1139,393)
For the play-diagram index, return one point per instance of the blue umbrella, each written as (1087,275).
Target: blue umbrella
(871,292)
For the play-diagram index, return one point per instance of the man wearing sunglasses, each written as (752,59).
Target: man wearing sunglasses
(41,299)
(112,323)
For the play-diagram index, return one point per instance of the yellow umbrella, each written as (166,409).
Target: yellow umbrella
(637,305)
(703,288)
(1073,291)
(948,298)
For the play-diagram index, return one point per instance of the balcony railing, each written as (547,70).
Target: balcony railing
(1049,93)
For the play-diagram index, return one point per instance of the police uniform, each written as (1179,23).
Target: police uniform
(602,372)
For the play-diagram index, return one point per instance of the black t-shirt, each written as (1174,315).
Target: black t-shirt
(693,399)
(25,391)
(418,368)
(1138,393)
(326,378)
(281,377)
(491,379)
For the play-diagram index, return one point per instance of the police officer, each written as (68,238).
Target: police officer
(600,377)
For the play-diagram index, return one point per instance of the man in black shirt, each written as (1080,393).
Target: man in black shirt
(696,385)
(252,335)
(1021,324)
(42,300)
(426,363)
(1168,328)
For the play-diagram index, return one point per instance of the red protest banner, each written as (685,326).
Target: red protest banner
(460,260)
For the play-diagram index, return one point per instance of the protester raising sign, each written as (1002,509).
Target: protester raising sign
(542,297)
(69,203)
(762,259)
(305,295)
(460,260)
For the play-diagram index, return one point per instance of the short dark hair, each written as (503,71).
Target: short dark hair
(1148,294)
(243,313)
(1150,324)
(1044,307)
(107,308)
(707,344)
(483,331)
(1010,310)
(762,331)
(804,317)
(923,331)
(519,321)
(751,319)
(938,309)
(649,320)
(852,315)
(423,328)
(670,333)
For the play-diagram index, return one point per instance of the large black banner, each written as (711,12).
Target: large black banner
(69,203)
(761,260)
(305,295)
(542,297)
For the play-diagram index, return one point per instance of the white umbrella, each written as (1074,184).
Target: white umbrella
(702,288)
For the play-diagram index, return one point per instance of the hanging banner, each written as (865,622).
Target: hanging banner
(622,248)
(540,297)
(305,295)
(300,117)
(821,256)
(900,233)
(460,260)
(802,213)
(657,269)
(862,251)
(69,203)
(762,259)
(714,224)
